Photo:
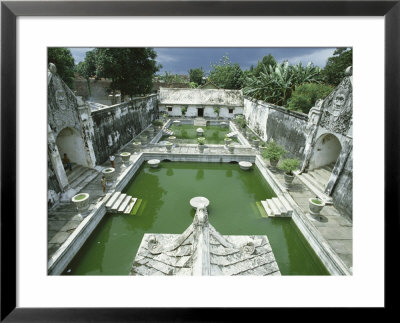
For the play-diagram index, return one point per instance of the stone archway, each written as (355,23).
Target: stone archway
(326,151)
(70,142)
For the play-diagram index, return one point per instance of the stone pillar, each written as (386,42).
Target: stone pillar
(56,161)
(86,120)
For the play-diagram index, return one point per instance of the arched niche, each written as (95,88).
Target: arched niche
(326,151)
(70,142)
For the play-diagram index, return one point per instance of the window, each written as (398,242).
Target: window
(169,109)
(230,110)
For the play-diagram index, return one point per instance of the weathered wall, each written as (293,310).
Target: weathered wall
(343,191)
(285,127)
(118,124)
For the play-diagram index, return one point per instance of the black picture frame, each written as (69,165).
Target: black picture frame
(10,10)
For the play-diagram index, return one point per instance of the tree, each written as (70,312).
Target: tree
(266,61)
(87,68)
(227,75)
(64,62)
(335,68)
(131,70)
(196,75)
(305,95)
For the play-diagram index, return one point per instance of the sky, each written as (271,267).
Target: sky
(179,60)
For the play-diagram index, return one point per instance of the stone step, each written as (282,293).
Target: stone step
(77,171)
(84,179)
(280,206)
(267,208)
(105,199)
(232,134)
(325,174)
(314,181)
(125,203)
(275,210)
(118,202)
(130,205)
(311,186)
(288,208)
(112,200)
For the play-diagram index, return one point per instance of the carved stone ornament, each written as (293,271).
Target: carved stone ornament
(154,245)
(249,248)
(338,108)
(61,99)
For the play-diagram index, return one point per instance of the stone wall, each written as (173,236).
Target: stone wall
(285,127)
(343,191)
(118,124)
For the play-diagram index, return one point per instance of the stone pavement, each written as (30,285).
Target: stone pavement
(335,228)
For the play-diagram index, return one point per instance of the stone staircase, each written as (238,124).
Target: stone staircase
(80,176)
(316,180)
(201,122)
(277,207)
(232,134)
(120,203)
(168,132)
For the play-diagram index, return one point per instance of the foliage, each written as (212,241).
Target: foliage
(64,62)
(87,68)
(317,201)
(276,84)
(157,123)
(227,75)
(216,111)
(335,68)
(305,95)
(183,110)
(201,140)
(170,78)
(131,70)
(273,151)
(289,165)
(241,122)
(196,75)
(266,61)
(193,85)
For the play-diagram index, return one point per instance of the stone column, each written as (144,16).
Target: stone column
(56,161)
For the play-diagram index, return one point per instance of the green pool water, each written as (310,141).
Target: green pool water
(165,208)
(187,134)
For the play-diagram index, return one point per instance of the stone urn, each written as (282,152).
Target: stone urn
(143,139)
(200,132)
(108,174)
(172,139)
(245,165)
(136,146)
(256,143)
(227,141)
(272,164)
(125,157)
(201,147)
(231,148)
(315,205)
(154,163)
(81,201)
(168,145)
(223,124)
(288,180)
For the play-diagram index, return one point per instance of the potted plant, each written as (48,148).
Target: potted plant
(171,139)
(136,146)
(315,205)
(144,138)
(227,141)
(168,145)
(157,124)
(201,141)
(256,141)
(273,152)
(288,166)
(108,174)
(231,148)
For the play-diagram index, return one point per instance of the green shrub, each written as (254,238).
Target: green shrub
(289,165)
(157,123)
(316,201)
(201,140)
(273,151)
(305,96)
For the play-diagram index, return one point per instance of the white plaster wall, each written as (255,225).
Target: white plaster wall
(70,142)
(326,150)
(256,114)
(209,112)
(191,111)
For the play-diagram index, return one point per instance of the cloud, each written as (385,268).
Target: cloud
(318,58)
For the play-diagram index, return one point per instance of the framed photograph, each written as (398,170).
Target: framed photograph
(31,291)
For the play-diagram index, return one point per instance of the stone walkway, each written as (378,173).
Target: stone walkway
(336,229)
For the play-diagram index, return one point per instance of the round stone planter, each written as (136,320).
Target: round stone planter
(125,157)
(245,165)
(169,146)
(272,164)
(201,148)
(81,201)
(315,205)
(154,163)
(108,174)
(288,180)
(200,132)
(231,148)
(256,143)
(137,146)
(227,141)
(172,139)
(223,124)
(199,201)
(176,122)
(144,139)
